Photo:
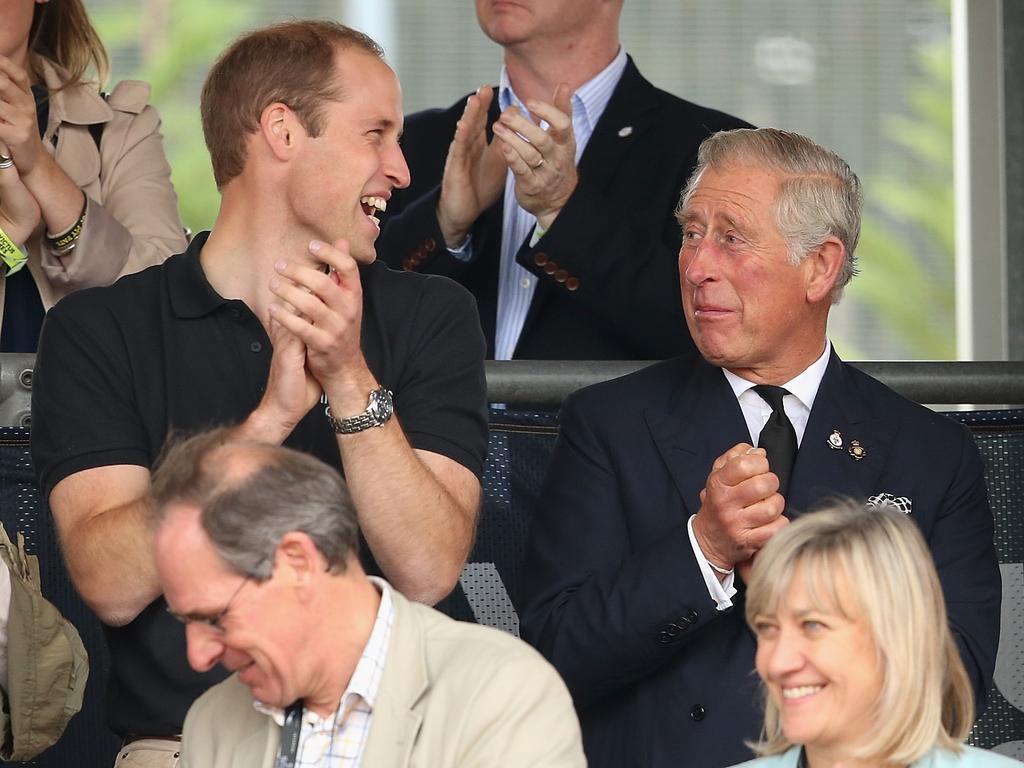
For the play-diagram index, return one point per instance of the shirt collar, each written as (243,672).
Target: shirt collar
(365,680)
(804,386)
(589,100)
(191,294)
(77,104)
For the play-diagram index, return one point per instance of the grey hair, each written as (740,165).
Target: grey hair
(819,196)
(246,514)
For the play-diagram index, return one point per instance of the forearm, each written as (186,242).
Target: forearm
(965,557)
(419,534)
(60,200)
(603,581)
(109,558)
(132,219)
(418,521)
(413,239)
(619,262)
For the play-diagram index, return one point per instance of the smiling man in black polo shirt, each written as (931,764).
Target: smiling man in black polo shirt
(280,306)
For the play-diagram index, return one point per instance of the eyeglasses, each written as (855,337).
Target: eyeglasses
(213,622)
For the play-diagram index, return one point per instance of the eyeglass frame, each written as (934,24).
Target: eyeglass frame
(213,622)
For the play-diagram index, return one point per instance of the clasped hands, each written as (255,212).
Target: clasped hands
(741,509)
(543,162)
(314,325)
(19,140)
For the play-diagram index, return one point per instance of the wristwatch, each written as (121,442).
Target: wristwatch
(377,412)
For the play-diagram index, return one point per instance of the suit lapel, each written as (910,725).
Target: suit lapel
(259,748)
(824,472)
(702,422)
(396,719)
(624,121)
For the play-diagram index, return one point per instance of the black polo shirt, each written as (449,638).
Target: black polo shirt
(120,367)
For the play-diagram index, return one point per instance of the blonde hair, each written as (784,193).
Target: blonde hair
(877,555)
(61,32)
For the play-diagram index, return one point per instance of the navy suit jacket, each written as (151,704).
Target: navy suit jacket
(613,594)
(607,277)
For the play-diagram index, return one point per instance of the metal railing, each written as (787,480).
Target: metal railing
(547,382)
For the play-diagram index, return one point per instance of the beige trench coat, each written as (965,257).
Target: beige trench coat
(132,219)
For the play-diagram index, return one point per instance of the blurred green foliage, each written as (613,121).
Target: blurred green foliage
(907,244)
(170,46)
(906,286)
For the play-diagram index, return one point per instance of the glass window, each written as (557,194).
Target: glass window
(870,79)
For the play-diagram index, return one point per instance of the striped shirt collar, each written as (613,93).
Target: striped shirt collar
(589,100)
(365,681)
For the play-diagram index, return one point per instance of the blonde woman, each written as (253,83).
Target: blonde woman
(93,165)
(854,649)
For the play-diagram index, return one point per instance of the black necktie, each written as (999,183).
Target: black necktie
(778,438)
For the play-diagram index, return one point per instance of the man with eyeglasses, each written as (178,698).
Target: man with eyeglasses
(256,549)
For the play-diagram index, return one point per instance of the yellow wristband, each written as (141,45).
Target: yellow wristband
(12,258)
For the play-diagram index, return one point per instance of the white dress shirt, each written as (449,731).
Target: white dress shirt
(803,388)
(338,740)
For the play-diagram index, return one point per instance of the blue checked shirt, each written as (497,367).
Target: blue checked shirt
(338,741)
(515,284)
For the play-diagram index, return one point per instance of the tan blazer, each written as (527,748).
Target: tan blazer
(132,218)
(453,695)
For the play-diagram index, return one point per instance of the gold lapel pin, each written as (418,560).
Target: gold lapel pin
(857,450)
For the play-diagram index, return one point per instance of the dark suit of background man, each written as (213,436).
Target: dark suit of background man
(655,501)
(596,277)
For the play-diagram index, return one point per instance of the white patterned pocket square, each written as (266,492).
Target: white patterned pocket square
(902,503)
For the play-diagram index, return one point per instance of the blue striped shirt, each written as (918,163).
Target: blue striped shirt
(515,284)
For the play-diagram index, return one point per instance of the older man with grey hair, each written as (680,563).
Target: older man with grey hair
(255,546)
(657,499)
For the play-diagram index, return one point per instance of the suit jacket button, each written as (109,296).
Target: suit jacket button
(550,268)
(561,275)
(430,245)
(540,258)
(689,617)
(697,713)
(664,637)
(572,284)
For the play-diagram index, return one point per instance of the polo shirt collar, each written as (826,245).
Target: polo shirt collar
(190,292)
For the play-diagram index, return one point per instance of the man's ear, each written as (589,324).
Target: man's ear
(823,266)
(297,560)
(281,130)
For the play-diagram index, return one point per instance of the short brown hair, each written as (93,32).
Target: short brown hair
(291,63)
